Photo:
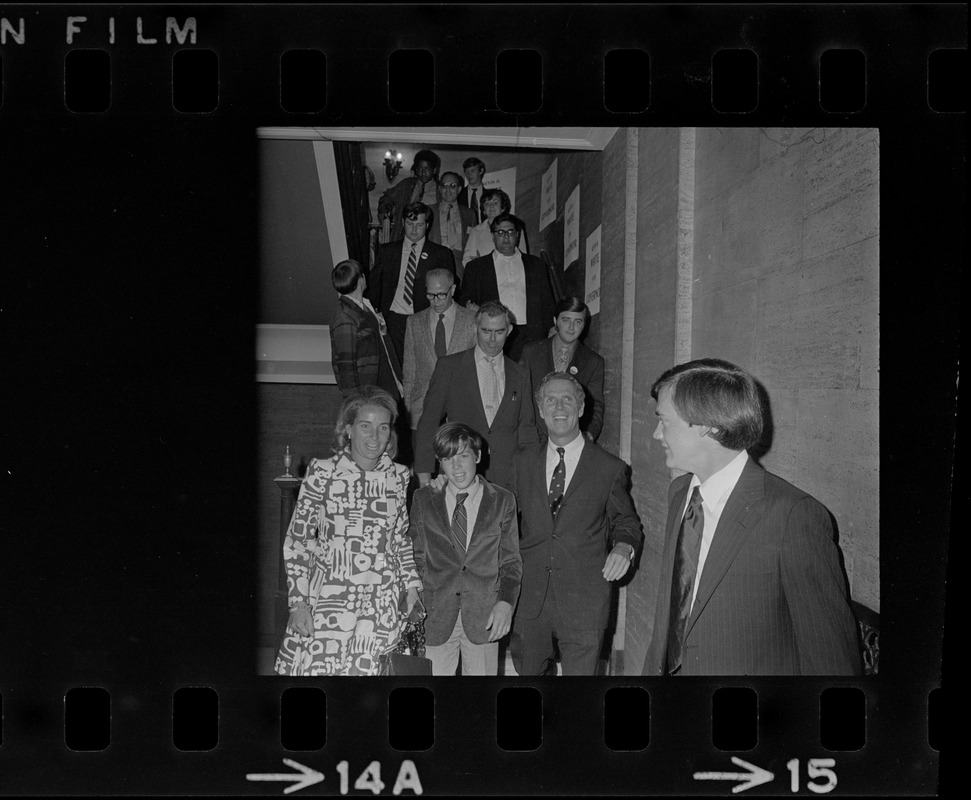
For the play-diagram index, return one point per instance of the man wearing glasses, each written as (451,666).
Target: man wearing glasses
(441,329)
(453,221)
(517,280)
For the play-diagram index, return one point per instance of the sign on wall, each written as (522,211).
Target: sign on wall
(571,228)
(547,199)
(592,288)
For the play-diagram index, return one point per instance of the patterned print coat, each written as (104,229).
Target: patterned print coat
(348,556)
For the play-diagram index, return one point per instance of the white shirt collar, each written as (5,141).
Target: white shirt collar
(716,489)
(480,355)
(571,448)
(472,489)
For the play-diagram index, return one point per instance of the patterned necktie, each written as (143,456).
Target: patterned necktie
(440,345)
(410,274)
(685,572)
(491,390)
(557,482)
(460,518)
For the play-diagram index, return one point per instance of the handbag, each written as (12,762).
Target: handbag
(408,656)
(395,663)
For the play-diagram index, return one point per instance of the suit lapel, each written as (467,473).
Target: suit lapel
(540,489)
(741,514)
(486,504)
(511,388)
(424,322)
(471,382)
(579,359)
(584,468)
(663,612)
(458,329)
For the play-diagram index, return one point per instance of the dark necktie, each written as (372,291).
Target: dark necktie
(440,345)
(557,482)
(685,572)
(460,518)
(410,274)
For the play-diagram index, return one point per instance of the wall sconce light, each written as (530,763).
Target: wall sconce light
(392,164)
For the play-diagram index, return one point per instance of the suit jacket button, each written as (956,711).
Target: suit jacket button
(458,594)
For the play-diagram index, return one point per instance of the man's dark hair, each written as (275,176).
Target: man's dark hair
(413,210)
(453,437)
(716,394)
(346,276)
(429,158)
(507,217)
(574,305)
(472,161)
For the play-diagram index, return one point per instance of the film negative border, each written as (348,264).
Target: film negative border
(129,548)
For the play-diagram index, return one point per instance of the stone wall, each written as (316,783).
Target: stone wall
(761,247)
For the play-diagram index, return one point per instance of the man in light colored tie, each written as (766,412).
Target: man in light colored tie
(454,221)
(485,390)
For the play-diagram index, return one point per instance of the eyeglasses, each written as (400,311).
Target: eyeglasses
(450,186)
(437,295)
(505,232)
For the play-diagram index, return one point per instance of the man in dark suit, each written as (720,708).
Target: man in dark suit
(396,285)
(564,352)
(580,533)
(516,279)
(485,390)
(751,579)
(471,194)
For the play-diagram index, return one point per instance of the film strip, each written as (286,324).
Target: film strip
(132,195)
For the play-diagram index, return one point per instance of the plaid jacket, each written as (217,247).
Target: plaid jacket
(357,353)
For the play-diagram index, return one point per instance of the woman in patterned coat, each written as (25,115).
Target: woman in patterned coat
(350,567)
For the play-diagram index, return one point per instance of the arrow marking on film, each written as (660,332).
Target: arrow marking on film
(754,777)
(306,777)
